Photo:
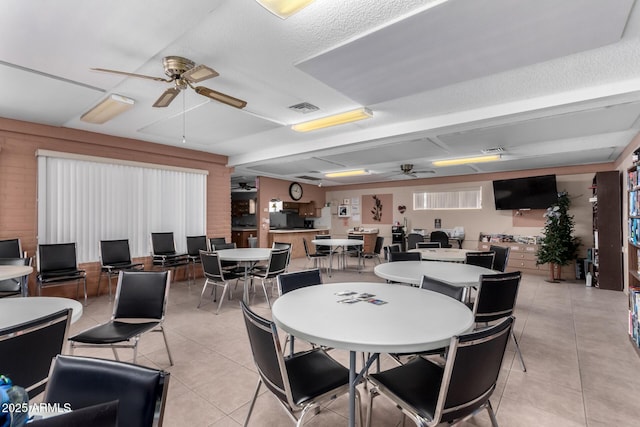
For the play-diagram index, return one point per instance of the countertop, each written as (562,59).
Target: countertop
(297,230)
(251,228)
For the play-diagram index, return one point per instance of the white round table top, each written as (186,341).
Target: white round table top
(14,311)
(244,254)
(462,275)
(442,254)
(338,242)
(411,320)
(13,271)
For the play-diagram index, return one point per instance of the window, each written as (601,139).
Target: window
(86,199)
(457,199)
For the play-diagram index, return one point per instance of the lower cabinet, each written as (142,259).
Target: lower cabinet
(241,238)
(522,257)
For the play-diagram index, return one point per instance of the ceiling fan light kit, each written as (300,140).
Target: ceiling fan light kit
(356,172)
(467,160)
(334,120)
(284,8)
(107,109)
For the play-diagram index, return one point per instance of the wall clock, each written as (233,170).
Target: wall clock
(295,191)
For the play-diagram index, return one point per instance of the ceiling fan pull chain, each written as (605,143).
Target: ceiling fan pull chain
(184,119)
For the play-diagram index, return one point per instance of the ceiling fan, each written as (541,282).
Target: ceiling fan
(407,169)
(244,186)
(183,73)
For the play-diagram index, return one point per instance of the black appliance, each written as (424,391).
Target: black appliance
(397,236)
(308,223)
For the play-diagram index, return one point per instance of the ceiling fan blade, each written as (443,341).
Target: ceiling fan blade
(199,73)
(220,97)
(166,98)
(123,73)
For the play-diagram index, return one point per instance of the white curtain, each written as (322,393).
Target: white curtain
(87,201)
(457,199)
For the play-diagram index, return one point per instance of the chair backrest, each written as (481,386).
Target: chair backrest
(114,252)
(267,352)
(288,282)
(377,248)
(221,246)
(444,288)
(391,248)
(471,371)
(481,259)
(496,297)
(440,236)
(10,248)
(283,245)
(323,249)
(26,350)
(413,239)
(86,381)
(306,247)
(211,266)
(277,262)
(162,243)
(195,244)
(56,256)
(14,285)
(141,295)
(501,258)
(100,415)
(428,245)
(216,241)
(404,256)
(355,248)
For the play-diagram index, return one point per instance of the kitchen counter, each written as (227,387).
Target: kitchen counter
(295,236)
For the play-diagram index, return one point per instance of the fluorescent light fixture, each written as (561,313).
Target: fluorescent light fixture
(107,109)
(284,8)
(347,173)
(336,119)
(467,160)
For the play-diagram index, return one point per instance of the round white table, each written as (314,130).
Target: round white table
(13,271)
(442,254)
(248,257)
(14,311)
(336,244)
(411,320)
(463,275)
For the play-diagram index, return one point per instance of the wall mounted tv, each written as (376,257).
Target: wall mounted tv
(536,192)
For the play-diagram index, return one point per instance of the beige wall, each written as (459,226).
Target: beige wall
(486,220)
(19,142)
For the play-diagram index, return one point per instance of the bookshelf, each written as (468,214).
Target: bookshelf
(633,252)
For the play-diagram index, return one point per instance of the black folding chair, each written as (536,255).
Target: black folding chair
(57,264)
(115,257)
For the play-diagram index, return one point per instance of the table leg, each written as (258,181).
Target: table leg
(245,291)
(352,388)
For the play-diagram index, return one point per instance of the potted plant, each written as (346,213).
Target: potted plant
(559,247)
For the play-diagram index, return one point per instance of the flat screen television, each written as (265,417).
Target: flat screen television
(536,192)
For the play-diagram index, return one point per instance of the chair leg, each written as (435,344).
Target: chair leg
(166,344)
(204,288)
(266,295)
(224,291)
(253,402)
(492,415)
(99,280)
(115,353)
(515,341)
(372,393)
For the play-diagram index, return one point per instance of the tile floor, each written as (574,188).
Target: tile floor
(581,367)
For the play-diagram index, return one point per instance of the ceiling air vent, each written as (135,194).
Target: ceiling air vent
(494,150)
(304,108)
(307,177)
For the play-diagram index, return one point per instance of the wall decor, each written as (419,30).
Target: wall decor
(377,208)
(343,211)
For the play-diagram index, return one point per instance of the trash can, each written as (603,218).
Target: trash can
(253,242)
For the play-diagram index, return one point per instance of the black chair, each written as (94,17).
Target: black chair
(216,276)
(11,248)
(441,237)
(353,250)
(275,245)
(315,257)
(288,282)
(164,255)
(16,285)
(57,264)
(300,382)
(413,239)
(195,244)
(481,259)
(230,266)
(141,301)
(216,241)
(391,248)
(377,249)
(100,415)
(502,257)
(323,249)
(428,245)
(26,350)
(431,394)
(404,256)
(114,257)
(496,299)
(81,382)
(277,265)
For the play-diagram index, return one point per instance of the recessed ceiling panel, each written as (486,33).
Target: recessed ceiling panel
(569,125)
(460,40)
(551,161)
(414,149)
(298,166)
(35,97)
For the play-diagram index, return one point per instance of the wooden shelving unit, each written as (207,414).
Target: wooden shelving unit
(607,228)
(633,253)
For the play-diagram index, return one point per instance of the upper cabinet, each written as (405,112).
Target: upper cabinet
(243,207)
